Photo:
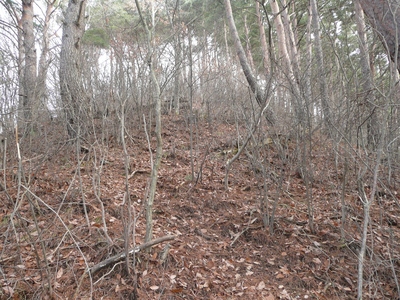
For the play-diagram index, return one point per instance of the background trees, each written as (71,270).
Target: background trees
(298,79)
(108,41)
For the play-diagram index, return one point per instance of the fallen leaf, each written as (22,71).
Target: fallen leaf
(177,291)
(261,286)
(349,281)
(154,287)
(8,290)
(60,273)
(316,260)
(284,270)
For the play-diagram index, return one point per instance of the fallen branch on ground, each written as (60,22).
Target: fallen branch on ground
(116,258)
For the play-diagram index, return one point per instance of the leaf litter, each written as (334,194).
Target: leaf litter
(221,250)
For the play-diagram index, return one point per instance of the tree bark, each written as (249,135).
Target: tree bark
(72,90)
(248,43)
(43,61)
(384,17)
(264,45)
(157,102)
(30,67)
(367,79)
(176,27)
(261,97)
(289,66)
(291,43)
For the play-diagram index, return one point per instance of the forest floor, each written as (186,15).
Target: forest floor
(221,248)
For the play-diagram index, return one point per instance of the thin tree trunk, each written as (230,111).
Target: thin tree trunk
(320,66)
(43,61)
(30,67)
(308,70)
(21,60)
(367,84)
(287,63)
(261,97)
(248,73)
(290,40)
(157,101)
(367,203)
(175,26)
(264,45)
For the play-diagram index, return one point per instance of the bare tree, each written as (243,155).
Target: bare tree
(157,102)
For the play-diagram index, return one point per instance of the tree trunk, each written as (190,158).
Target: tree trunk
(320,66)
(72,90)
(248,43)
(291,43)
(248,73)
(367,84)
(29,73)
(264,45)
(261,97)
(384,16)
(308,70)
(288,65)
(177,44)
(157,102)
(43,61)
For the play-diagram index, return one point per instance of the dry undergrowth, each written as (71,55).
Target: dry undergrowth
(221,249)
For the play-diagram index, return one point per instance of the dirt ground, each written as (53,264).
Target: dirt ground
(221,248)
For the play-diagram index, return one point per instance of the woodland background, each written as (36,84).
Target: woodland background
(185,149)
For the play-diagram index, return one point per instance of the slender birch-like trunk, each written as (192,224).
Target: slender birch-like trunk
(260,95)
(157,101)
